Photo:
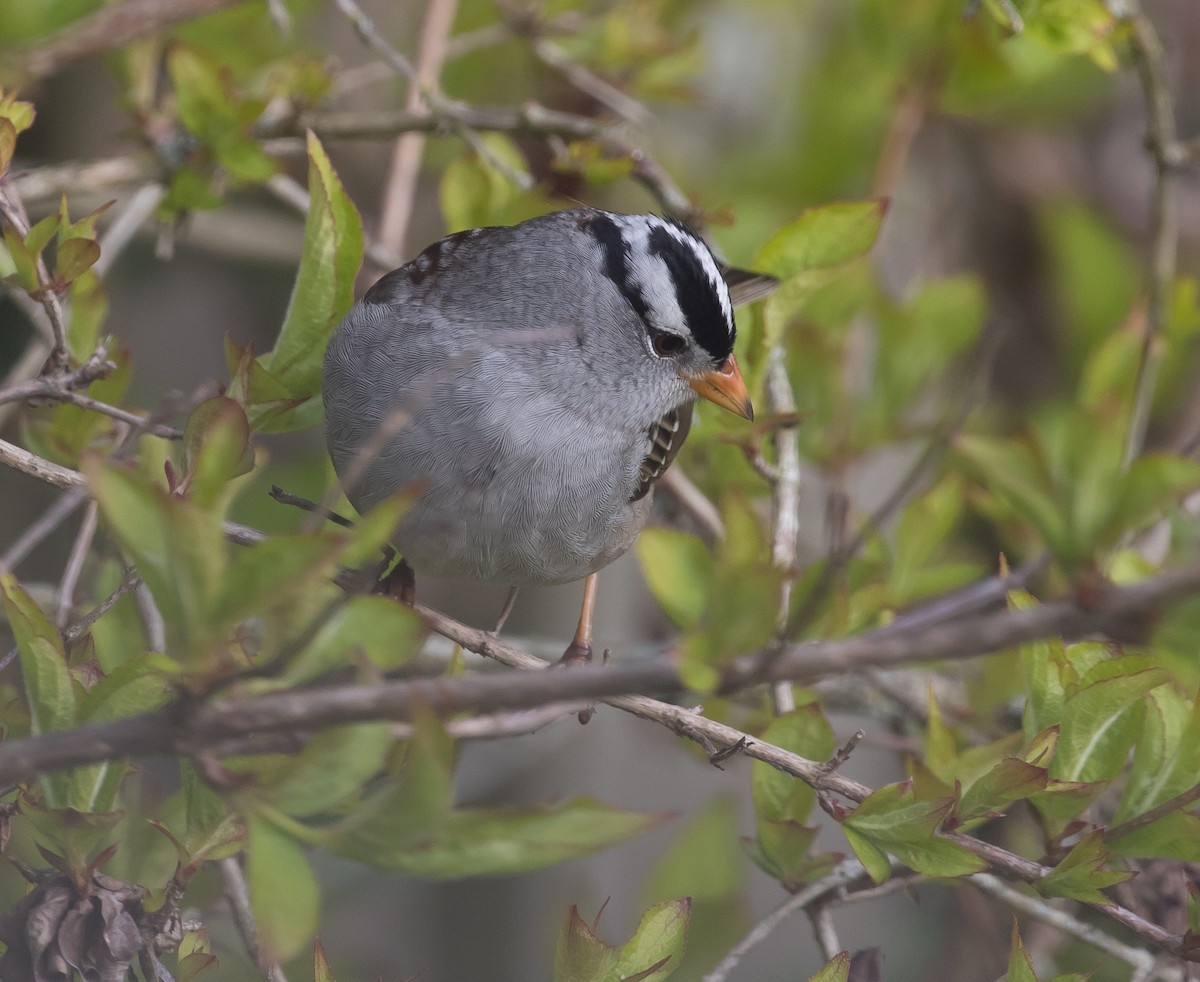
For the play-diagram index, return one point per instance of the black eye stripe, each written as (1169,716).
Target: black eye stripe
(696,294)
(616,261)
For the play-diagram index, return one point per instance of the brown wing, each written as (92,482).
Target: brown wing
(666,437)
(746,287)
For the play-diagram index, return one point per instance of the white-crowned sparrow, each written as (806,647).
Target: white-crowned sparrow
(530,384)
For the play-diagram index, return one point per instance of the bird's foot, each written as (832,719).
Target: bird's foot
(400,583)
(577,653)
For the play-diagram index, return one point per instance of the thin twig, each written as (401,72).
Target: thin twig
(13,212)
(49,521)
(1163,145)
(1180,801)
(693,500)
(399,190)
(74,567)
(1063,921)
(238,895)
(826,934)
(110,28)
(129,580)
(125,226)
(590,84)
(151,618)
(935,448)
(843,874)
(785,527)
(447,112)
(35,466)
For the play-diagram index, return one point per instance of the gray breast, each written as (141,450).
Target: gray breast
(514,484)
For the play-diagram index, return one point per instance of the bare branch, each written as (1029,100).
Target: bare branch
(74,567)
(109,28)
(1045,912)
(35,466)
(13,212)
(1163,144)
(400,189)
(50,520)
(238,895)
(845,873)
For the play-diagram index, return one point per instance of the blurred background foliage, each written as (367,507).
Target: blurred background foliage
(957,198)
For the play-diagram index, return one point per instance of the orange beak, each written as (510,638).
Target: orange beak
(725,387)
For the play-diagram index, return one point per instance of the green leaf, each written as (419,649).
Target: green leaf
(77,835)
(892,820)
(829,235)
(704,861)
(378,629)
(216,449)
(1174,836)
(178,548)
(875,860)
(579,955)
(39,236)
(212,830)
(19,115)
(321,970)
(659,940)
(1012,779)
(24,261)
(782,803)
(1012,471)
(937,857)
(1081,875)
(783,849)
(1098,728)
(283,891)
(43,663)
(8,144)
(679,570)
(474,192)
(1020,965)
(503,841)
(74,258)
(837,969)
(333,765)
(1166,759)
(324,286)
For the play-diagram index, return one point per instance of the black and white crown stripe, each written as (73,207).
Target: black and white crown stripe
(669,277)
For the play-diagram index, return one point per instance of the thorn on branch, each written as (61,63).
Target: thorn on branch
(304,504)
(843,754)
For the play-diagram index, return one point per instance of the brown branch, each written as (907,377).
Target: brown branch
(109,28)
(1153,815)
(1163,145)
(13,212)
(238,895)
(400,189)
(228,722)
(61,388)
(617,685)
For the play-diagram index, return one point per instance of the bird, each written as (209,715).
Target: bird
(528,385)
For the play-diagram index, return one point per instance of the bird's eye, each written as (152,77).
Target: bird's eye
(665,344)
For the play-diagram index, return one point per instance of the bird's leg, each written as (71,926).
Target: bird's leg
(399,584)
(580,648)
(509,602)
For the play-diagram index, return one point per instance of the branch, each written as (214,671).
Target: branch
(13,212)
(843,875)
(238,895)
(109,28)
(1163,145)
(400,190)
(1041,910)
